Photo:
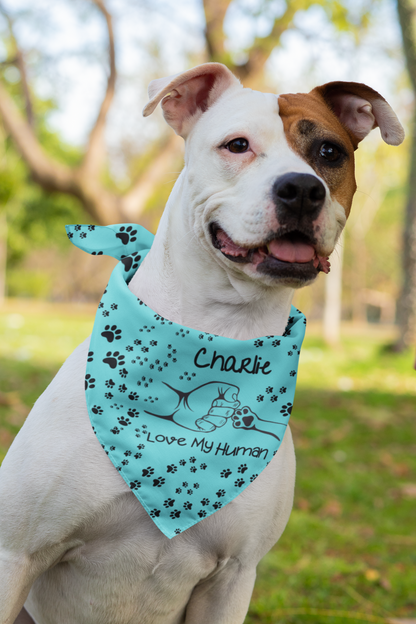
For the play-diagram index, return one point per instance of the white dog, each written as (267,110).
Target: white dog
(265,192)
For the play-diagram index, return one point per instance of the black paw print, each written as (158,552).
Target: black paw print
(133,396)
(89,382)
(202,513)
(169,502)
(253,477)
(90,356)
(158,482)
(274,398)
(189,492)
(205,502)
(172,468)
(187,505)
(282,390)
(220,493)
(269,390)
(193,469)
(260,398)
(122,388)
(217,505)
(108,395)
(124,422)
(111,333)
(276,343)
(196,485)
(133,413)
(192,460)
(258,343)
(110,383)
(225,473)
(123,372)
(242,468)
(115,430)
(239,482)
(134,485)
(175,514)
(286,409)
(292,373)
(97,410)
(182,462)
(131,261)
(155,513)
(114,359)
(147,472)
(126,234)
(140,446)
(127,453)
(203,466)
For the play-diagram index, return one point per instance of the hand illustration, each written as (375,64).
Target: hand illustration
(220,401)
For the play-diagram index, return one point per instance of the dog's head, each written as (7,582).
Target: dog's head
(269,179)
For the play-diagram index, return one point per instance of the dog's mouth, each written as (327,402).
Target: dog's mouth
(289,254)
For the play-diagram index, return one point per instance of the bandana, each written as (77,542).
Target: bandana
(188,418)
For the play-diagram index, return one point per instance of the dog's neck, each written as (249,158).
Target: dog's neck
(182,282)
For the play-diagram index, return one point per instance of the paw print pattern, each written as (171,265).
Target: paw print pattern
(220,493)
(147,472)
(126,234)
(132,261)
(187,505)
(89,382)
(205,502)
(158,482)
(253,477)
(172,468)
(286,409)
(202,513)
(175,514)
(133,413)
(169,502)
(217,505)
(114,359)
(239,482)
(97,410)
(242,468)
(155,513)
(134,485)
(225,473)
(123,421)
(111,333)
(133,396)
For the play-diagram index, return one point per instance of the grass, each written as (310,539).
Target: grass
(349,551)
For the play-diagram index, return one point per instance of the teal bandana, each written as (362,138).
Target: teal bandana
(189,419)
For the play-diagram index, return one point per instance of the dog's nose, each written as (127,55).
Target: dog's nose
(300,193)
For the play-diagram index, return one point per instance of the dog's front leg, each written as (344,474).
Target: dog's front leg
(15,583)
(223,598)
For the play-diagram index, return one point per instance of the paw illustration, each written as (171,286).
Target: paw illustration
(90,356)
(147,472)
(155,513)
(111,333)
(243,418)
(110,383)
(115,430)
(239,482)
(158,482)
(122,388)
(217,505)
(114,359)
(133,413)
(253,477)
(133,396)
(205,502)
(123,372)
(126,234)
(97,410)
(89,382)
(187,505)
(169,502)
(175,513)
(131,261)
(124,422)
(193,469)
(242,468)
(202,513)
(225,473)
(203,466)
(286,409)
(172,468)
(220,493)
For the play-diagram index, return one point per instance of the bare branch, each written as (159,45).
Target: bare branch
(95,152)
(215,11)
(134,201)
(20,63)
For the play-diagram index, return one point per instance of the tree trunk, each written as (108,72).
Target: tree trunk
(406,305)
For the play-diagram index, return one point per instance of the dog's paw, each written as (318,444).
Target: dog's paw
(244,418)
(111,333)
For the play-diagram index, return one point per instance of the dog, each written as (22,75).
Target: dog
(265,192)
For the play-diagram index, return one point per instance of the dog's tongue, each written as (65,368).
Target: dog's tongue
(289,251)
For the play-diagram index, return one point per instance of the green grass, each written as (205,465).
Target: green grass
(349,550)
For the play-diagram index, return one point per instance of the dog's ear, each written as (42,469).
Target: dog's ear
(360,109)
(187,95)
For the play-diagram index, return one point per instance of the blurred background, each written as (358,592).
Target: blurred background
(75,149)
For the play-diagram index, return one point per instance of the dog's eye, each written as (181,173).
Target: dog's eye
(330,152)
(238,146)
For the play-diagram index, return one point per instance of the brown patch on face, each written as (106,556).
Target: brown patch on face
(309,124)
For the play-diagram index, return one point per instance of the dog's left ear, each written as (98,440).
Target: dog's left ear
(360,109)
(187,95)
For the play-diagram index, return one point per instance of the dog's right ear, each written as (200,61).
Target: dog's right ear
(187,95)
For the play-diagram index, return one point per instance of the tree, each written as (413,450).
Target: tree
(407,301)
(104,203)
